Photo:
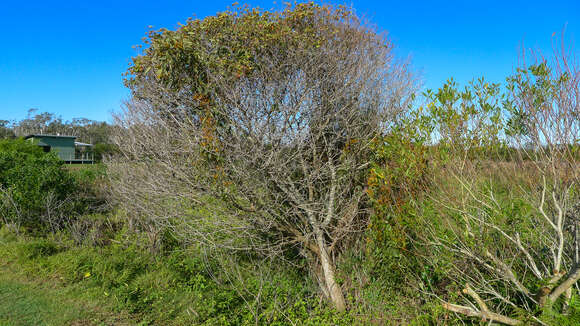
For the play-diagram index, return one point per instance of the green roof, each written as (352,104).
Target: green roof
(47,136)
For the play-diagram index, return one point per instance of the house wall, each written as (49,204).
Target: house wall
(64,147)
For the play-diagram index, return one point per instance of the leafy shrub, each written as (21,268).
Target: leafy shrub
(35,190)
(38,194)
(399,175)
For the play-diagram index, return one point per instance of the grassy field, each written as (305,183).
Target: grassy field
(47,282)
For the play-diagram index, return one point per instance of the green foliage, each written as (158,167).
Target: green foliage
(20,145)
(32,185)
(39,194)
(397,179)
(541,87)
(102,150)
(38,248)
(229,42)
(464,131)
(6,129)
(553,317)
(469,121)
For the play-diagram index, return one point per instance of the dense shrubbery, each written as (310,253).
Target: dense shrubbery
(484,206)
(35,189)
(37,193)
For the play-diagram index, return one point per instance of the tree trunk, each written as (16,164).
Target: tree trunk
(333,288)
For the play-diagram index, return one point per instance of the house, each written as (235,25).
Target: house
(65,147)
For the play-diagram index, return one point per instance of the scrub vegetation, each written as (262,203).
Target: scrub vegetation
(282,168)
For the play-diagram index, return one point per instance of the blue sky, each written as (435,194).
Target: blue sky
(68,57)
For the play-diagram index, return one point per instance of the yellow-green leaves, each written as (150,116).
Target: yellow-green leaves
(230,42)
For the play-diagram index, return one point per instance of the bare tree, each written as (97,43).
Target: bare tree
(280,162)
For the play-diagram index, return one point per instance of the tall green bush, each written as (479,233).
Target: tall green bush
(35,190)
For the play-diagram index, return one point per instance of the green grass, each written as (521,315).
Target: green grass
(88,167)
(48,282)
(32,294)
(25,304)
(26,301)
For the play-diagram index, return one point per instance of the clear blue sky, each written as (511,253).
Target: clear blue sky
(68,57)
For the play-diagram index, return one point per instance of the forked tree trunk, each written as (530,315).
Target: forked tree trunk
(333,288)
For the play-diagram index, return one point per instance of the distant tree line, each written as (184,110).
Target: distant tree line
(86,130)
